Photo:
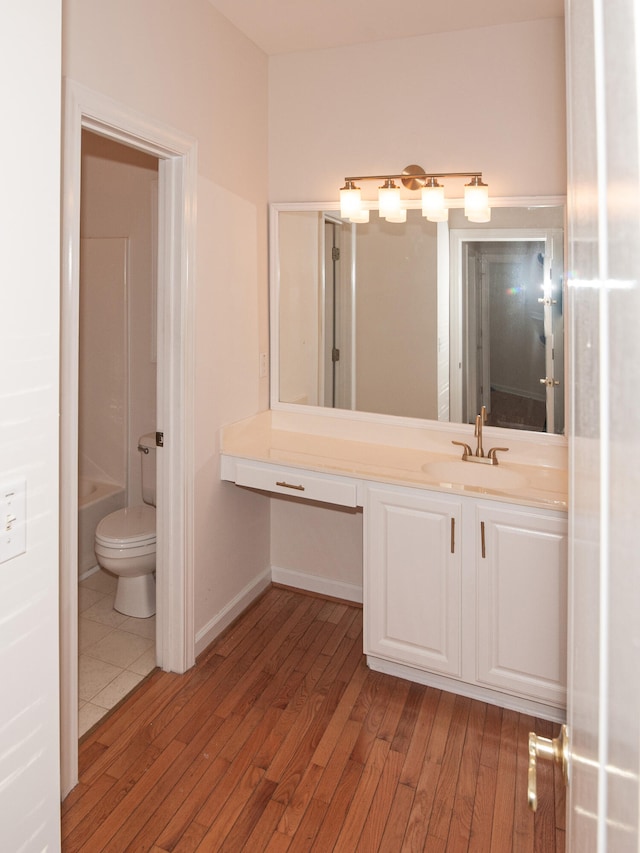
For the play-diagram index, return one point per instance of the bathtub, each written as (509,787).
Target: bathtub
(95,500)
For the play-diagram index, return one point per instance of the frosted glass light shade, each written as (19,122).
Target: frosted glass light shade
(480,215)
(350,200)
(433,201)
(439,216)
(388,199)
(361,216)
(476,196)
(397,216)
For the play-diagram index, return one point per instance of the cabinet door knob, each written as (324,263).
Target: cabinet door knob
(453,536)
(556,749)
(482,540)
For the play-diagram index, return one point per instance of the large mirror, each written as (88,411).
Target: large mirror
(422,320)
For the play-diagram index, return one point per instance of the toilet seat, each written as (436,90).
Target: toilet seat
(130,528)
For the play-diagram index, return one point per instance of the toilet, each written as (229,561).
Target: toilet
(125,543)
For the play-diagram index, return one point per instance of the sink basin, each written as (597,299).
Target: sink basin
(459,473)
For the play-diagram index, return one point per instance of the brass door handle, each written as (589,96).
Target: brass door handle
(556,749)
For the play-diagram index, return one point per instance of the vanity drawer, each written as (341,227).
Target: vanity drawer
(301,484)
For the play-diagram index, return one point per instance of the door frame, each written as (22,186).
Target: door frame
(85,109)
(462,391)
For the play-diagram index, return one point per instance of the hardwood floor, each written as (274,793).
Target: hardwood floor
(281,739)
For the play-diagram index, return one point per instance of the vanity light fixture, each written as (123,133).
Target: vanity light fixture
(476,196)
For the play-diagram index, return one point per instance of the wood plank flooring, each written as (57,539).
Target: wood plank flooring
(281,739)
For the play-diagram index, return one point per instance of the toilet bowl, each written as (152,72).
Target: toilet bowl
(125,544)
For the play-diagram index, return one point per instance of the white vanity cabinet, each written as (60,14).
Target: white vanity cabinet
(412,578)
(521,601)
(469,589)
(464,588)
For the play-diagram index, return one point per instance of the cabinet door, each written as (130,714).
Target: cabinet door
(521,612)
(412,579)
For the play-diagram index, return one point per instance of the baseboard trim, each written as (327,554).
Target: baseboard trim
(315,583)
(205,636)
(482,694)
(88,573)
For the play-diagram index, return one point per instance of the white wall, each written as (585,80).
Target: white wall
(491,99)
(184,65)
(29,298)
(396,317)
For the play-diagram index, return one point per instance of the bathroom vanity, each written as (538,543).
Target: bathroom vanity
(385,342)
(465,565)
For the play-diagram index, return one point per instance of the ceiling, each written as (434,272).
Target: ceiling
(286,26)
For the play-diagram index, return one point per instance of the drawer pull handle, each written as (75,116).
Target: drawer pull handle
(289,486)
(484,549)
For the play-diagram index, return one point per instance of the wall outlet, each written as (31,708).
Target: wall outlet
(264,365)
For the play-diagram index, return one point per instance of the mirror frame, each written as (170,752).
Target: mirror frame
(275,208)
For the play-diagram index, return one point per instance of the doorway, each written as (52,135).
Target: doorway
(177,177)
(509,303)
(337,312)
(116,404)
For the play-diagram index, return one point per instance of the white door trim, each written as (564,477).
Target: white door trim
(177,153)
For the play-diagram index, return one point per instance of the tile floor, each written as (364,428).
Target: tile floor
(116,652)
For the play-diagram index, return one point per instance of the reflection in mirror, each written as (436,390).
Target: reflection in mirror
(424,320)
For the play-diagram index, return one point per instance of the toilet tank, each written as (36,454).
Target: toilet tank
(147,448)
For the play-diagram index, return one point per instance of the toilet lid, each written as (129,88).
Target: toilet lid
(133,525)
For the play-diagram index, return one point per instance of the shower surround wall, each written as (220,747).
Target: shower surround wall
(102,409)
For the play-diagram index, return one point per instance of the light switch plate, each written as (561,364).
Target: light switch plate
(13,519)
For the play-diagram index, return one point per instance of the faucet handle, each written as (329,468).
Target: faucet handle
(492,454)
(483,414)
(467,450)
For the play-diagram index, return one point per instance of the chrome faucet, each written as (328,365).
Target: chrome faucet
(480,420)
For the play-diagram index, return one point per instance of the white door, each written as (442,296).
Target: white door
(604,259)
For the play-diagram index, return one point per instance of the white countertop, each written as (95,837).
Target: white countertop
(531,473)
